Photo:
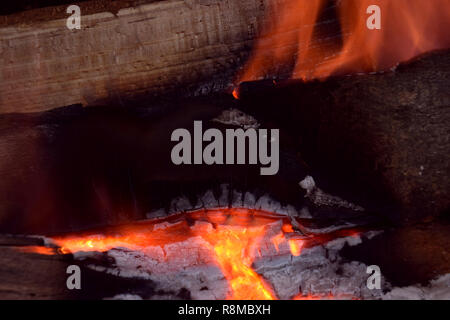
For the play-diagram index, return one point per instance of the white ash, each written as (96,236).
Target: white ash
(236,201)
(304,213)
(231,198)
(338,244)
(189,265)
(180,204)
(125,296)
(238,118)
(438,289)
(156,214)
(317,272)
(224,196)
(207,201)
(249,200)
(372,234)
(266,203)
(182,265)
(287,210)
(308,184)
(165,297)
(165,225)
(331,228)
(321,198)
(292,213)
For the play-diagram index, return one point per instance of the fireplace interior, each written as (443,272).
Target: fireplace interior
(86,141)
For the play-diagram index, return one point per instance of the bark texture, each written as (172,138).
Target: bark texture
(384,137)
(148,49)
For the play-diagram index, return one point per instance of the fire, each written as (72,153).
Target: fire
(296,247)
(287,228)
(236,93)
(38,249)
(99,243)
(232,252)
(134,237)
(277,240)
(407,28)
(234,238)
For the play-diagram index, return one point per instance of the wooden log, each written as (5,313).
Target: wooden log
(148,49)
(76,167)
(26,274)
(379,139)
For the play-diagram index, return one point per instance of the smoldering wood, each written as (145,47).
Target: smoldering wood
(149,49)
(158,271)
(25,275)
(62,170)
(377,139)
(76,167)
(391,146)
(129,49)
(154,272)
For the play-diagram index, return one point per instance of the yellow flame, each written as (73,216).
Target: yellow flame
(232,249)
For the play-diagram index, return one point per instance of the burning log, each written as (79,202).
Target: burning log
(387,133)
(31,271)
(378,139)
(228,253)
(149,49)
(77,167)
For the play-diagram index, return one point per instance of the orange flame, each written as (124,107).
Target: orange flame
(407,28)
(232,253)
(296,247)
(277,240)
(38,249)
(234,242)
(236,93)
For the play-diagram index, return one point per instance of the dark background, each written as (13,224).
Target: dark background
(20,5)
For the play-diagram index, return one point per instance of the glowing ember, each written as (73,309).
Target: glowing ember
(287,228)
(232,252)
(407,29)
(277,240)
(234,238)
(236,93)
(38,249)
(295,246)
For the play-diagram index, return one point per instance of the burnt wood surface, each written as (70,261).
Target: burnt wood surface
(377,140)
(26,275)
(133,48)
(406,256)
(76,167)
(123,49)
(385,138)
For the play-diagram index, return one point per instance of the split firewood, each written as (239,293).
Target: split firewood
(148,49)
(377,139)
